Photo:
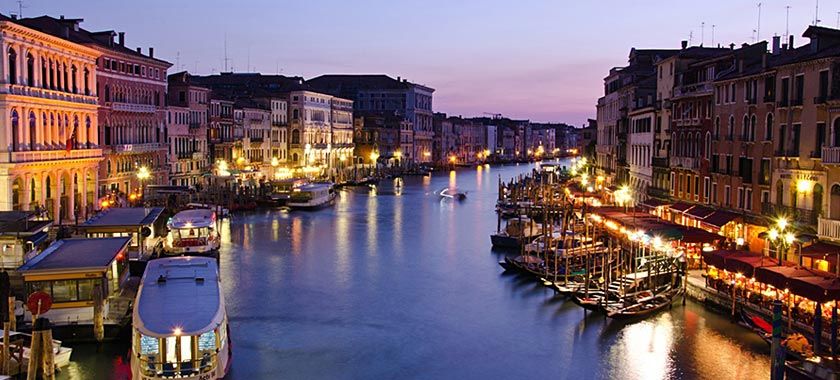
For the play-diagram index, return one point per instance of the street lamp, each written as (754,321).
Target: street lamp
(143,174)
(398,156)
(781,237)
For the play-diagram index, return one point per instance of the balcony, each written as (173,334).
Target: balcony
(131,107)
(769,98)
(800,215)
(820,99)
(828,229)
(279,124)
(783,103)
(660,162)
(787,153)
(796,102)
(137,148)
(194,125)
(17,89)
(696,89)
(831,155)
(52,155)
(685,162)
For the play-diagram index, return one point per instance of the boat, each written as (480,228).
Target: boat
(516,232)
(312,196)
(757,324)
(20,348)
(645,305)
(453,194)
(525,264)
(221,211)
(192,232)
(180,327)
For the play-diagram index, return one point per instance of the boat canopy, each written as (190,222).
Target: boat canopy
(78,254)
(179,295)
(196,218)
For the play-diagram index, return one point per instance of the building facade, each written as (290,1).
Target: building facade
(187,118)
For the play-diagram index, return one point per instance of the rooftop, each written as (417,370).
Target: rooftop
(77,254)
(126,216)
(191,283)
(20,222)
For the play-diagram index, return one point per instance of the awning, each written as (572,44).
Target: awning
(696,235)
(821,287)
(37,238)
(718,258)
(820,249)
(779,276)
(680,206)
(719,218)
(747,264)
(654,203)
(700,212)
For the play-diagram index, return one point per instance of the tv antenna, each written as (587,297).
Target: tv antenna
(787,22)
(702,32)
(713,35)
(758,28)
(817,13)
(20,8)
(226,56)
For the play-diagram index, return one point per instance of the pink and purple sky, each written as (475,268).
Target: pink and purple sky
(539,60)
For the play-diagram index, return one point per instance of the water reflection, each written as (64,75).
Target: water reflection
(383,286)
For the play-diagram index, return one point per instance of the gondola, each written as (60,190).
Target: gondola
(645,306)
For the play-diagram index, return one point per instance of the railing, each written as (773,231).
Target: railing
(796,102)
(831,154)
(18,89)
(799,214)
(820,99)
(198,155)
(279,124)
(783,102)
(171,370)
(51,155)
(685,162)
(139,148)
(131,107)
(769,98)
(828,229)
(194,125)
(694,89)
(787,153)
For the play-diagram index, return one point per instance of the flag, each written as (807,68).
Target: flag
(71,141)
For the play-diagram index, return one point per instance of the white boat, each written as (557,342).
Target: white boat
(453,194)
(192,232)
(312,196)
(180,327)
(21,345)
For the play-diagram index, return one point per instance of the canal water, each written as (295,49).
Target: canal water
(398,283)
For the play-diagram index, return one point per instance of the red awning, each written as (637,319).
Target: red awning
(779,276)
(820,249)
(699,212)
(746,264)
(719,218)
(653,203)
(822,287)
(718,258)
(680,206)
(696,235)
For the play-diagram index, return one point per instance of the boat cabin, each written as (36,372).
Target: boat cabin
(69,269)
(143,225)
(179,322)
(22,235)
(309,192)
(192,231)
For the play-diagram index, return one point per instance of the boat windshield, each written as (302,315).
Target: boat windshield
(193,236)
(179,355)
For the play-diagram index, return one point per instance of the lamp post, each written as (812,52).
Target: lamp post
(781,237)
(143,174)
(374,155)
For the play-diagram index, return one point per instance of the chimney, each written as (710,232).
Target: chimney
(790,42)
(731,46)
(684,44)
(399,79)
(151,52)
(784,47)
(140,50)
(61,17)
(14,16)
(776,41)
(122,38)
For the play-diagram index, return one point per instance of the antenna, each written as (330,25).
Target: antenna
(758,28)
(702,32)
(178,59)
(817,13)
(838,20)
(690,36)
(20,8)
(249,59)
(787,22)
(226,56)
(713,35)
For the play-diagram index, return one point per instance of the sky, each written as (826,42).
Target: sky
(527,59)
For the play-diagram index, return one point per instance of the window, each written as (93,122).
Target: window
(785,91)
(706,189)
(730,129)
(714,192)
(768,128)
(823,89)
(820,140)
(748,199)
(764,172)
(12,66)
(800,90)
(796,130)
(740,197)
(673,182)
(727,197)
(717,128)
(696,187)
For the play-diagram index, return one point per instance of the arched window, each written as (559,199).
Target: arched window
(48,185)
(730,129)
(294,157)
(717,128)
(295,136)
(52,66)
(107,93)
(33,137)
(818,200)
(87,132)
(834,202)
(295,114)
(73,75)
(30,70)
(837,131)
(86,74)
(780,192)
(752,127)
(45,130)
(697,145)
(745,129)
(708,146)
(12,66)
(15,130)
(44,77)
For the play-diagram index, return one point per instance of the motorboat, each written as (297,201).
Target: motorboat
(312,196)
(192,232)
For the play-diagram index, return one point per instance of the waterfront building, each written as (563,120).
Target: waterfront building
(221,136)
(279,129)
(376,133)
(444,142)
(640,146)
(255,121)
(131,114)
(741,147)
(543,138)
(341,147)
(310,129)
(491,133)
(586,140)
(143,225)
(23,234)
(381,93)
(406,141)
(805,184)
(186,129)
(49,107)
